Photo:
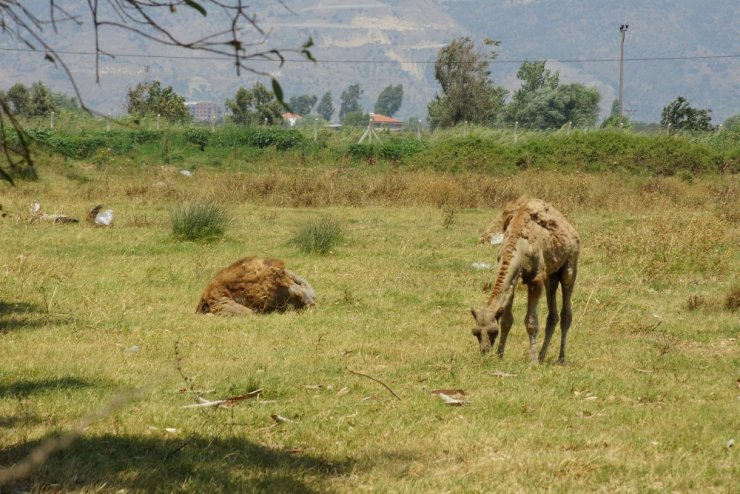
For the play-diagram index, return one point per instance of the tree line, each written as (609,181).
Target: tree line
(468,94)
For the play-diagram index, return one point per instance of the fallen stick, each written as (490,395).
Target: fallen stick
(373,379)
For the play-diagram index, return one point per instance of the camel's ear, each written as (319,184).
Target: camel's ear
(475,313)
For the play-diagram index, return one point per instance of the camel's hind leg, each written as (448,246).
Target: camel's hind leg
(551,289)
(531,320)
(567,281)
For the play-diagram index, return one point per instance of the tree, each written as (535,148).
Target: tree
(732,123)
(255,106)
(573,104)
(467,91)
(19,99)
(41,100)
(679,115)
(389,100)
(350,99)
(149,98)
(356,119)
(231,35)
(302,105)
(535,78)
(543,103)
(38,100)
(326,107)
(613,119)
(65,101)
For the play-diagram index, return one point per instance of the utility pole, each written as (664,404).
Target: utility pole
(623,31)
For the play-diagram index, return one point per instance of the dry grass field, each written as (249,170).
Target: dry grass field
(101,344)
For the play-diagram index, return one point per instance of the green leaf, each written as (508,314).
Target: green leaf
(278,92)
(196,6)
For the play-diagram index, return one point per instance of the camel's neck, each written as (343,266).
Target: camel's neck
(509,268)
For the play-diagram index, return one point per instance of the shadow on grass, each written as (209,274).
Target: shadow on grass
(22,315)
(25,387)
(192,464)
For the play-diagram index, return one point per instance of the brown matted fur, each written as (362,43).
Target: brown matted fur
(253,284)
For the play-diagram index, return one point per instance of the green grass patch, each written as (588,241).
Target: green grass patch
(647,401)
(318,236)
(199,220)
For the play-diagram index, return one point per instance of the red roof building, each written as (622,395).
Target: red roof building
(385,122)
(291,118)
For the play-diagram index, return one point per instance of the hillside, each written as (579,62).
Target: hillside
(376,43)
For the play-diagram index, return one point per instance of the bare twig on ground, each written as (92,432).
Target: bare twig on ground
(373,379)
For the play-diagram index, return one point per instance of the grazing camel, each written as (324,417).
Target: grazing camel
(256,285)
(541,247)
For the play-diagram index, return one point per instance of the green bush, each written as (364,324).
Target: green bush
(604,150)
(197,136)
(393,150)
(319,236)
(200,220)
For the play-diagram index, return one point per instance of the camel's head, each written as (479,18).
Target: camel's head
(300,293)
(486,327)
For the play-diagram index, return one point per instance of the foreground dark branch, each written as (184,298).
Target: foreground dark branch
(239,38)
(39,455)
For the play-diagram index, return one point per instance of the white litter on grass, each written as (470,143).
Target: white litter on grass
(497,239)
(449,400)
(104,218)
(481,265)
(186,173)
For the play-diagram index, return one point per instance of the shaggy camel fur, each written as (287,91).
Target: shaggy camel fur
(254,285)
(541,247)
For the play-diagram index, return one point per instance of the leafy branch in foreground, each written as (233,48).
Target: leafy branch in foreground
(238,36)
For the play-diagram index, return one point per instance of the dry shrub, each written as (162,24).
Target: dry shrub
(346,186)
(695,302)
(725,200)
(733,298)
(657,246)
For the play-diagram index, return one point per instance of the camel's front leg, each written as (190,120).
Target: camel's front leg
(505,323)
(530,320)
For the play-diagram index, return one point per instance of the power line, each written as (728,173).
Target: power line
(254,60)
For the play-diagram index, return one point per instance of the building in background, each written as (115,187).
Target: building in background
(291,118)
(384,122)
(204,111)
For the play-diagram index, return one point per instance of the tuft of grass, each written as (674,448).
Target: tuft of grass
(199,220)
(320,236)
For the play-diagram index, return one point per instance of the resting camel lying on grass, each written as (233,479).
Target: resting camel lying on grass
(256,285)
(541,247)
